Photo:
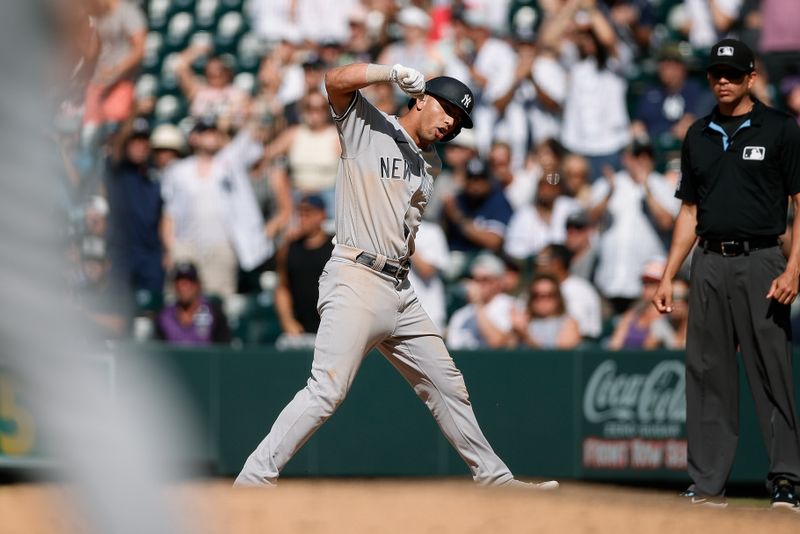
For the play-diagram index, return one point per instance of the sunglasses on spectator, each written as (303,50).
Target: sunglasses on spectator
(732,75)
(543,294)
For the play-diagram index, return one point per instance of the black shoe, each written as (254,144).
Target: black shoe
(709,501)
(784,495)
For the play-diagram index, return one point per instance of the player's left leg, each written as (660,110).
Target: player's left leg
(764,328)
(420,355)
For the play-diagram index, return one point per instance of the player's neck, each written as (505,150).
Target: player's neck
(408,123)
(743,106)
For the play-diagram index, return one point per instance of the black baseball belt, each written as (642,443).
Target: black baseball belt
(737,247)
(392,268)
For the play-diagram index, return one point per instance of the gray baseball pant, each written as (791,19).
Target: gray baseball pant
(361,309)
(728,305)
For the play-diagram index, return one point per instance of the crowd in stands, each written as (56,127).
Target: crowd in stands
(199,158)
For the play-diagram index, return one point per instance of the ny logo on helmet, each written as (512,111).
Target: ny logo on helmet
(466,100)
(725,51)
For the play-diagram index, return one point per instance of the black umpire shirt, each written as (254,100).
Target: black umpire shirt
(741,182)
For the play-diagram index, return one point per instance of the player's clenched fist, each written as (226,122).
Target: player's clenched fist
(411,81)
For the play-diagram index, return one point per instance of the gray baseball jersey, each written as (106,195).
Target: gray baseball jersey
(383,184)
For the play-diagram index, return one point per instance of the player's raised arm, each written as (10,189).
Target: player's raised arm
(342,82)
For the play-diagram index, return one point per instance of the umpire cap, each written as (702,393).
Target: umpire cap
(457,94)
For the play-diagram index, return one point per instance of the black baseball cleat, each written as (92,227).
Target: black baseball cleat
(710,501)
(784,495)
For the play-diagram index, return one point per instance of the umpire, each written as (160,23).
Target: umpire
(740,165)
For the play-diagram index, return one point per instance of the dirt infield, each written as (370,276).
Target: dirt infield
(419,507)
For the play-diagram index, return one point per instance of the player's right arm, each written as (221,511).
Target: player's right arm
(683,238)
(342,82)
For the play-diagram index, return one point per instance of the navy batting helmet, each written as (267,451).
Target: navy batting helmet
(457,94)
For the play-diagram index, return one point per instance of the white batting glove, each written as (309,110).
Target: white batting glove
(411,81)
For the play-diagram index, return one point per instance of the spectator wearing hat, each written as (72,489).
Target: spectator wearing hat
(167,145)
(476,217)
(300,262)
(211,215)
(485,322)
(193,319)
(637,327)
(97,295)
(668,106)
(637,208)
(134,197)
(581,241)
(541,223)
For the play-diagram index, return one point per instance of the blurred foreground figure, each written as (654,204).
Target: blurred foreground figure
(110,449)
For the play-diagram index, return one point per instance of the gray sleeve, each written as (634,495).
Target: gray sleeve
(356,124)
(133,18)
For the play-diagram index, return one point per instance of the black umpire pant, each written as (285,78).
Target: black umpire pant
(728,306)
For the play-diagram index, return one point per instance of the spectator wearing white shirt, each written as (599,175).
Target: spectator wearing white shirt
(485,322)
(596,122)
(535,226)
(581,299)
(431,258)
(487,65)
(211,216)
(635,204)
(414,47)
(708,21)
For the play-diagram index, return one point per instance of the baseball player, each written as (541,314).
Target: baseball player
(384,181)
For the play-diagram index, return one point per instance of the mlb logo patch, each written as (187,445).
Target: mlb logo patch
(754,153)
(725,51)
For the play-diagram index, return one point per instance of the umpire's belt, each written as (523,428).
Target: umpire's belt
(735,247)
(390,267)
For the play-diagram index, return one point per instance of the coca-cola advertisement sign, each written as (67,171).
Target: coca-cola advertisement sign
(634,415)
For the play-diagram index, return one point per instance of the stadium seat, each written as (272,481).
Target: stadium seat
(257,323)
(152,51)
(229,28)
(146,86)
(249,52)
(158,12)
(206,14)
(169,80)
(169,108)
(245,81)
(178,30)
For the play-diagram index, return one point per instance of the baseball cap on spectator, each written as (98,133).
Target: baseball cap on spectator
(167,137)
(204,124)
(476,169)
(358,14)
(653,270)
(140,129)
(731,53)
(476,18)
(523,25)
(98,205)
(414,17)
(672,52)
(314,201)
(488,264)
(577,220)
(185,270)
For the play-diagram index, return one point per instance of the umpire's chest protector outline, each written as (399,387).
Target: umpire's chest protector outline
(383,184)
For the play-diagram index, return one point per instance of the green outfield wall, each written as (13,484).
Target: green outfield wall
(586,414)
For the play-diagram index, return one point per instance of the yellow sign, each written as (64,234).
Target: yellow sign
(17,430)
